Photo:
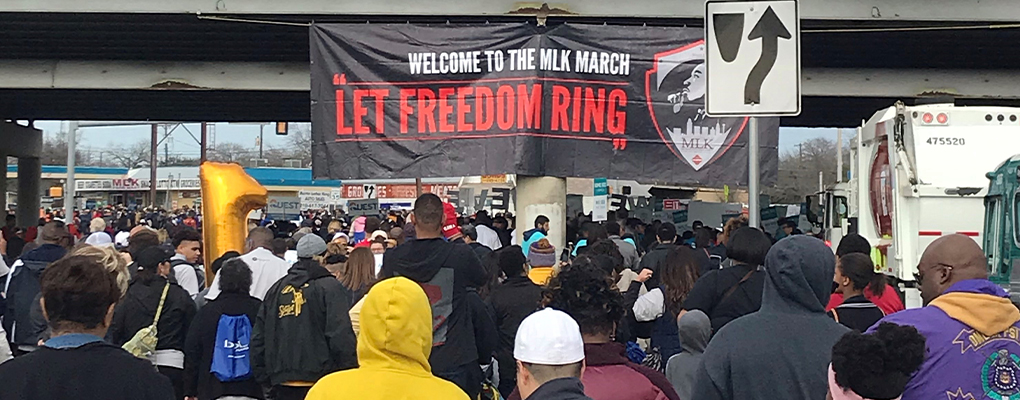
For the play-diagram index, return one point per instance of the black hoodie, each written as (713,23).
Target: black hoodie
(783,350)
(445,270)
(655,256)
(303,330)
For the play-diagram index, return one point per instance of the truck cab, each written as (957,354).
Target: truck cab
(1002,218)
(834,214)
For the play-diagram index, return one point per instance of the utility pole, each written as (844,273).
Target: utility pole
(166,153)
(262,130)
(72,142)
(153,151)
(202,142)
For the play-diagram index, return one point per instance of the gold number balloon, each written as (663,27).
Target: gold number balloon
(228,195)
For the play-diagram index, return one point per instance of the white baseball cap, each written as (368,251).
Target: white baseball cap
(98,239)
(549,337)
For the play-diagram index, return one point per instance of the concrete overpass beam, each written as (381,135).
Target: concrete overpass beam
(60,74)
(867,10)
(900,83)
(123,75)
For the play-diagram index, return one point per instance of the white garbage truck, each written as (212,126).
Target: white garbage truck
(917,173)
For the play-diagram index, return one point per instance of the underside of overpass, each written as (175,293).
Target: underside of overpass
(228,60)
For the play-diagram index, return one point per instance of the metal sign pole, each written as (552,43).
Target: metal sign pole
(69,187)
(753,190)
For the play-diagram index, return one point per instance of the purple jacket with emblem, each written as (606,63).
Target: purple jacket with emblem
(973,341)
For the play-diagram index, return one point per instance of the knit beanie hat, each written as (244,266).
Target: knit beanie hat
(542,254)
(310,246)
(450,229)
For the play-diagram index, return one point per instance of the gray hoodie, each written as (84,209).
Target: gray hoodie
(628,251)
(783,350)
(695,331)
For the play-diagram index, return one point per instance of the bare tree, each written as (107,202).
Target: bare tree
(54,152)
(231,152)
(798,170)
(276,156)
(300,142)
(298,147)
(130,156)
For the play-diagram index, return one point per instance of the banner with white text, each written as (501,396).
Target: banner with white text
(409,101)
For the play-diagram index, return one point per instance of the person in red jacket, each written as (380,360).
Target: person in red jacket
(889,301)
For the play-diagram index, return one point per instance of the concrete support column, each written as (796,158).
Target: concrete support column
(29,181)
(3,186)
(542,196)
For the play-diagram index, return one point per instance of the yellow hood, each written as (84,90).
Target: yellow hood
(987,314)
(396,327)
(540,275)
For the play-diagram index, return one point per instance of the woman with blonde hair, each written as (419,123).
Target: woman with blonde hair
(334,248)
(111,260)
(106,256)
(334,227)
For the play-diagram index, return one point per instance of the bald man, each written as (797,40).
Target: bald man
(971,327)
(266,267)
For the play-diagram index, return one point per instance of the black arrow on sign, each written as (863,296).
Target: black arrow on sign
(769,29)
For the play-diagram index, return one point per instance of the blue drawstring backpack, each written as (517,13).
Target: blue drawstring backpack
(634,353)
(231,359)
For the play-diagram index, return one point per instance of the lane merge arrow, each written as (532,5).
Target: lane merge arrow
(769,29)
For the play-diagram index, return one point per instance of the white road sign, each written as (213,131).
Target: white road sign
(369,191)
(753,58)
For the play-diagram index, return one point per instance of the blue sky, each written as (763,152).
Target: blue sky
(101,138)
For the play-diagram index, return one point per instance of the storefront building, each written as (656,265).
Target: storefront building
(176,187)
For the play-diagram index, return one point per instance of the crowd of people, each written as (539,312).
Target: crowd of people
(431,304)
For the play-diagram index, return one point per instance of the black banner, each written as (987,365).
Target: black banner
(405,101)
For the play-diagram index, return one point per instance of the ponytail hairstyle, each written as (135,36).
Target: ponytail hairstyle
(861,271)
(877,365)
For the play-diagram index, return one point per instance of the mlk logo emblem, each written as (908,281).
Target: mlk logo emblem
(675,89)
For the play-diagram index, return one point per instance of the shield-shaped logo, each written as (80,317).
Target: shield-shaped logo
(675,92)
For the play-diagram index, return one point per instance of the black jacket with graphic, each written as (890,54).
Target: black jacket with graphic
(445,270)
(303,330)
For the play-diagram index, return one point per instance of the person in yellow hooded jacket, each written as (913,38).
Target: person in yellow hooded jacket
(393,350)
